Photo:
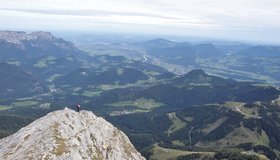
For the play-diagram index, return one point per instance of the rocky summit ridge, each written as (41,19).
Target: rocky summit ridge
(66,134)
(18,36)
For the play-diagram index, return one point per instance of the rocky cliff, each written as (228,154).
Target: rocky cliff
(38,43)
(67,134)
(19,36)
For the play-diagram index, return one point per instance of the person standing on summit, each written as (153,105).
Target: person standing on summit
(78,107)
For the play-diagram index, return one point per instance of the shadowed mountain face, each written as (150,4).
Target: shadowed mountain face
(17,83)
(208,51)
(35,44)
(261,51)
(200,77)
(87,77)
(197,87)
(39,52)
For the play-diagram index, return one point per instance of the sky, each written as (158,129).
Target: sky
(245,20)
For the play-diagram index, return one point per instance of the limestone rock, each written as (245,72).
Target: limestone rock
(67,134)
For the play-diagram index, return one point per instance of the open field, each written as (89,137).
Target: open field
(178,143)
(239,136)
(177,123)
(4,107)
(211,127)
(160,153)
(245,111)
(24,103)
(141,103)
(91,93)
(45,61)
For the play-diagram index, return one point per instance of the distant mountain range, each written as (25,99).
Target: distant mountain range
(235,60)
(35,44)
(159,110)
(261,51)
(207,50)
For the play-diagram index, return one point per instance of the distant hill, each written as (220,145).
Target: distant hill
(175,54)
(200,77)
(261,51)
(178,52)
(231,48)
(208,51)
(197,87)
(156,43)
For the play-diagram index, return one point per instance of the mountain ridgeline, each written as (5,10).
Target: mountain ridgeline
(34,44)
(205,112)
(242,61)
(228,59)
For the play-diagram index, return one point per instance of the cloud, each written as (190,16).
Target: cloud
(84,12)
(226,18)
(116,16)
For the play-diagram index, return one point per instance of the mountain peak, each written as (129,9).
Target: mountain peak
(196,72)
(66,134)
(199,77)
(18,36)
(41,34)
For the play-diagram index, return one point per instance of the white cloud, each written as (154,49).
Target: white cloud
(225,18)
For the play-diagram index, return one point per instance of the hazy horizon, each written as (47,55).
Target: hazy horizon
(250,20)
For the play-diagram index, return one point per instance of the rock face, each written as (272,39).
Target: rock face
(19,36)
(67,134)
(35,44)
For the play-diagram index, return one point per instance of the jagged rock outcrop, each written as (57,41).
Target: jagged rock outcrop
(67,134)
(37,43)
(19,36)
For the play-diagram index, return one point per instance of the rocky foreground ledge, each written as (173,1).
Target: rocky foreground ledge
(66,134)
